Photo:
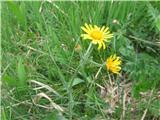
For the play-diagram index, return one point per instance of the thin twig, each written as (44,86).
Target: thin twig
(99,70)
(53,105)
(124,106)
(144,114)
(110,80)
(42,85)
(26,102)
(5,69)
(31,48)
(145,41)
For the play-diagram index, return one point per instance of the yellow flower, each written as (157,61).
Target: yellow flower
(96,34)
(113,64)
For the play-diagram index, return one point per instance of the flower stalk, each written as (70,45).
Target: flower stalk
(82,62)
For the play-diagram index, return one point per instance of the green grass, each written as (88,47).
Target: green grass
(45,78)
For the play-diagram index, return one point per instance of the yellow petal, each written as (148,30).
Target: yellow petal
(87,26)
(94,42)
(104,46)
(91,28)
(105,30)
(102,29)
(84,29)
(99,46)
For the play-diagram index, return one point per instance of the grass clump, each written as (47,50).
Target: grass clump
(48,73)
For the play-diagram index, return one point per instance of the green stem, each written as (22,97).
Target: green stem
(82,61)
(88,50)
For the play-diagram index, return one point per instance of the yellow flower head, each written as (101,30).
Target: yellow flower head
(96,34)
(113,64)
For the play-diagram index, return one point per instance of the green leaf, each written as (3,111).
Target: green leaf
(21,72)
(142,86)
(3,115)
(155,108)
(77,81)
(18,12)
(10,80)
(158,23)
(55,116)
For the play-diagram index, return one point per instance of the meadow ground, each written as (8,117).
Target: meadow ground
(49,72)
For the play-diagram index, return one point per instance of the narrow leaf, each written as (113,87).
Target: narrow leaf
(21,72)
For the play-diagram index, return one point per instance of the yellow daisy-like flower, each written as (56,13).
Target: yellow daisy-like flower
(97,35)
(113,64)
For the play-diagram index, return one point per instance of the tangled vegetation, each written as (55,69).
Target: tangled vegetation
(50,73)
